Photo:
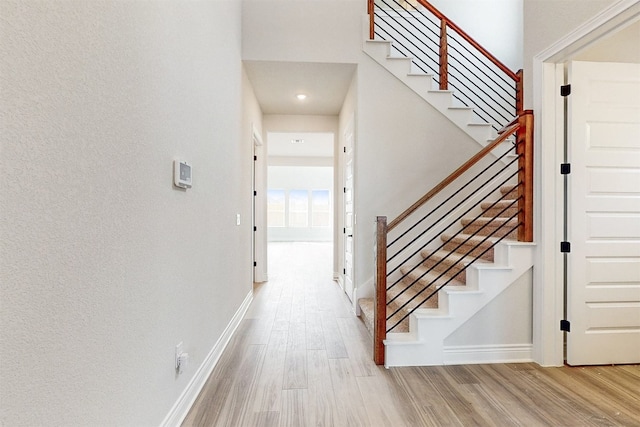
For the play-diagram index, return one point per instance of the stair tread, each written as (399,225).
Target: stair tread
(489,221)
(500,203)
(425,276)
(506,189)
(445,255)
(473,239)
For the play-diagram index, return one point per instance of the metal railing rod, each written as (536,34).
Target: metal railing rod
(500,93)
(450,279)
(459,232)
(414,11)
(450,267)
(480,97)
(410,32)
(454,175)
(434,73)
(480,60)
(445,257)
(427,27)
(478,175)
(421,220)
(454,221)
(442,245)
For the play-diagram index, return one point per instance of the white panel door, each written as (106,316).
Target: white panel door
(348,210)
(603,294)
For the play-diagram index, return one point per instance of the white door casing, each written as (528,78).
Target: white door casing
(348,210)
(603,294)
(259,210)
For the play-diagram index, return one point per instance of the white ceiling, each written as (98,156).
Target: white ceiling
(276,85)
(315,144)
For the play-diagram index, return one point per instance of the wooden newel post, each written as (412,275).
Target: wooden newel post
(519,93)
(444,56)
(380,299)
(371,10)
(525,176)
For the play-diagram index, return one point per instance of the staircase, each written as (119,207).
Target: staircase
(417,331)
(404,69)
(440,273)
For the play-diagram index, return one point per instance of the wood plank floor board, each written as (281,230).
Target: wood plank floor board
(456,401)
(350,408)
(512,400)
(461,374)
(429,404)
(322,403)
(353,331)
(295,372)
(585,387)
(228,363)
(294,404)
(235,411)
(332,338)
(386,404)
(269,385)
(209,403)
(264,419)
(298,306)
(491,408)
(301,358)
(297,337)
(504,377)
(314,333)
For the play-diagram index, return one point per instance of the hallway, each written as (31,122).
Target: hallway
(301,358)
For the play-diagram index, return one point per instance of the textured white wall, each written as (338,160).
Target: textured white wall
(303,31)
(508,319)
(495,24)
(105,267)
(404,148)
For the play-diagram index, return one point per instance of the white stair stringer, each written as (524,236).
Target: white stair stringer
(424,85)
(424,345)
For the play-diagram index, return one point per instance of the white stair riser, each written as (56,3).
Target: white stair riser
(430,328)
(404,70)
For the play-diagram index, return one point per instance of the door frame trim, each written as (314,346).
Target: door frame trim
(259,238)
(548,75)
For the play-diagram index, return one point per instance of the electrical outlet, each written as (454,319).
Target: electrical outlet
(178,353)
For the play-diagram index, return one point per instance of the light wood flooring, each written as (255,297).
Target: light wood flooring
(301,358)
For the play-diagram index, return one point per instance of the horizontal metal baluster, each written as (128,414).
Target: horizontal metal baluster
(455,235)
(451,210)
(489,65)
(448,281)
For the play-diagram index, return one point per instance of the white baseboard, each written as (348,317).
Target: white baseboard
(182,406)
(469,355)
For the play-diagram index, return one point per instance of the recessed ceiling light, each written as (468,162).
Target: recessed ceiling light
(301,96)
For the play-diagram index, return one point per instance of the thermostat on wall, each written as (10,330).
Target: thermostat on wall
(181,174)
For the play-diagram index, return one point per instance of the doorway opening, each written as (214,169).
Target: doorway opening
(586,43)
(300,199)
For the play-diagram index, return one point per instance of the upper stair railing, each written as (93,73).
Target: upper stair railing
(506,162)
(455,60)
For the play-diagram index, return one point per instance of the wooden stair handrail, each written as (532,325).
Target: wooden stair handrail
(469,39)
(455,174)
(443,55)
